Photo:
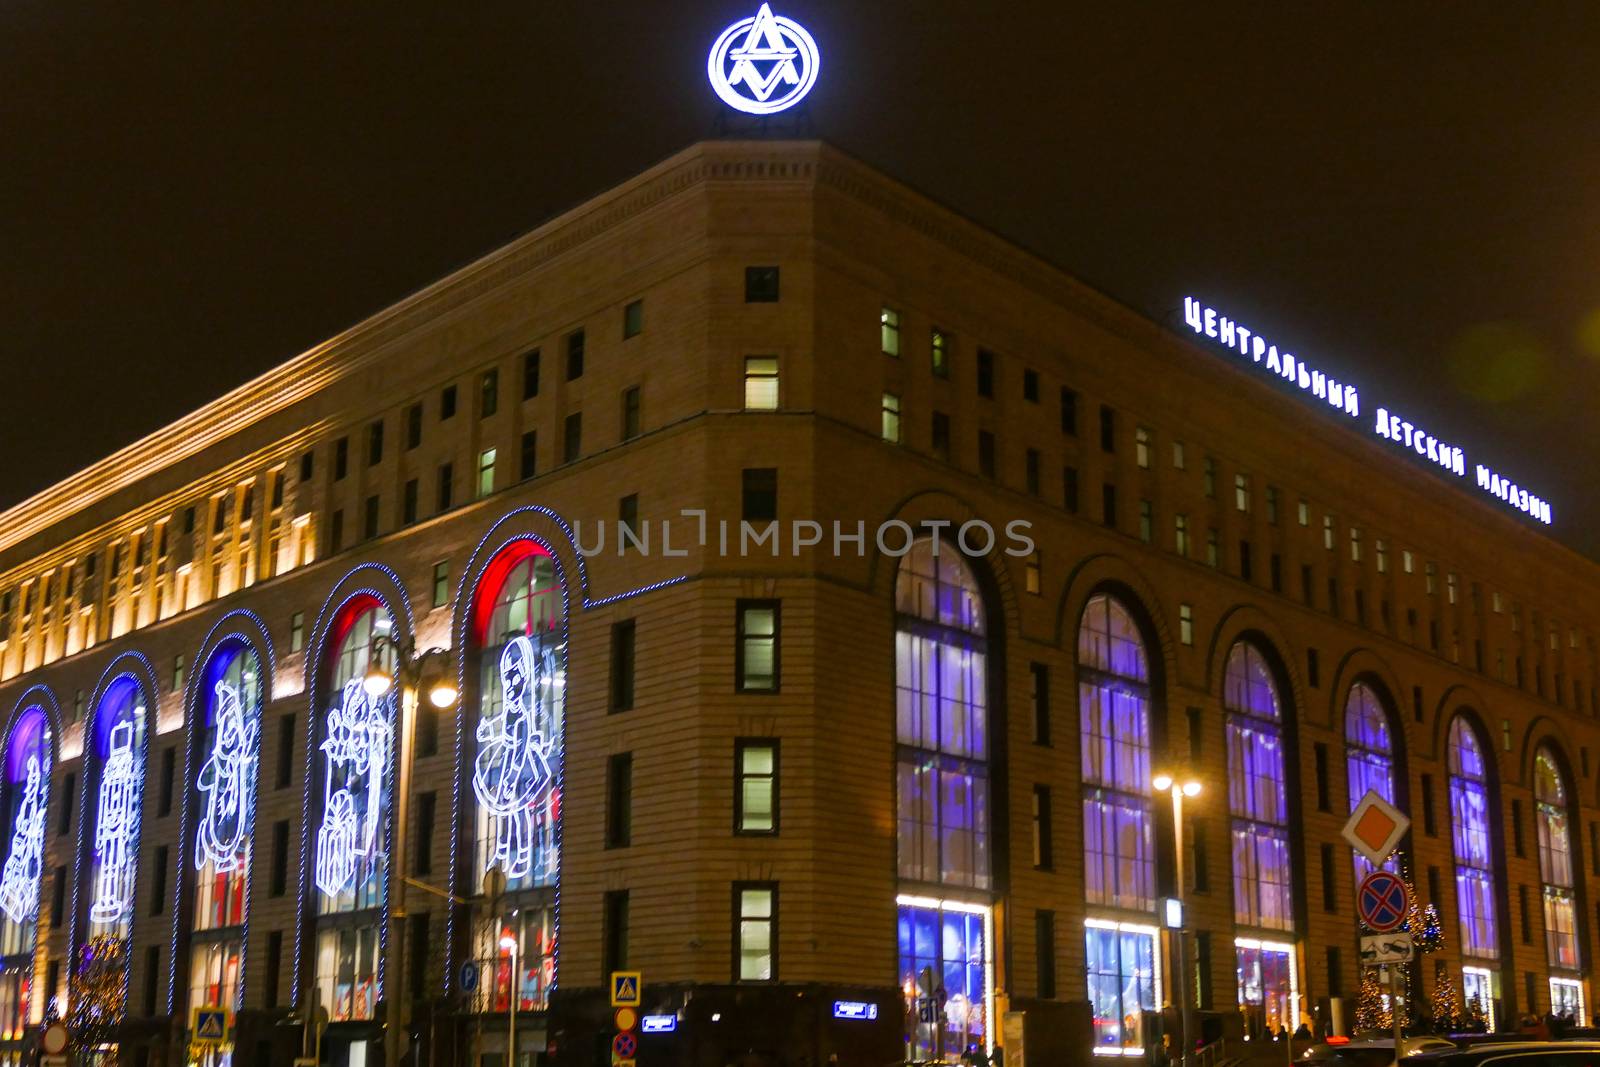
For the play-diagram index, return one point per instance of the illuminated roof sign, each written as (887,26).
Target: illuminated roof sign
(1345,398)
(764,64)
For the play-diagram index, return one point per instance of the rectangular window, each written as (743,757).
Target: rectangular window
(441,584)
(1108,505)
(1208,478)
(622,665)
(1141,446)
(422,848)
(939,354)
(1069,411)
(941,435)
(1335,972)
(1330,881)
(446,492)
(1186,624)
(58,897)
(274,967)
(1044,950)
(1040,698)
(68,795)
(1327,532)
(486,460)
(1030,471)
(891,418)
(152,979)
(341,466)
(755,927)
(755,792)
(375,443)
(633,319)
(1069,489)
(1516,828)
(614,943)
(369,526)
(1030,386)
(1428,826)
(889,331)
(631,400)
(530,374)
(759,494)
(1212,554)
(1276,567)
(528,464)
(1272,505)
(285,749)
(619,800)
(1180,458)
(169,765)
(280,858)
(1108,429)
(158,888)
(756,669)
(574,355)
(1241,492)
(297,631)
(761,285)
(1146,521)
(447,403)
(1320,752)
(408,506)
(986,460)
(1246,572)
(1180,535)
(985,373)
(761,383)
(336,530)
(1042,856)
(628,525)
(1313,672)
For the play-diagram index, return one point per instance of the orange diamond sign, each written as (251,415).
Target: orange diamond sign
(1375,827)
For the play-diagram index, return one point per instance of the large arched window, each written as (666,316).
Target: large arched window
(114,788)
(1474,855)
(226,738)
(942,794)
(1369,758)
(1119,860)
(354,760)
(1263,879)
(518,637)
(25,797)
(1552,814)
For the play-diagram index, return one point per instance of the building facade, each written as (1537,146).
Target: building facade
(821,582)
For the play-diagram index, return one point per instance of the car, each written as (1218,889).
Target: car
(1370,1051)
(1515,1054)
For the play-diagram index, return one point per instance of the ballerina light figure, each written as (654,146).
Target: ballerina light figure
(512,770)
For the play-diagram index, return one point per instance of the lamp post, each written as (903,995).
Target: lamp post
(429,671)
(1180,787)
(509,941)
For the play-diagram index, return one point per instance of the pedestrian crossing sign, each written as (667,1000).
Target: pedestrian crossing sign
(625,989)
(210,1026)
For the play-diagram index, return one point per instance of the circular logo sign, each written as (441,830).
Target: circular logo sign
(1381,901)
(764,64)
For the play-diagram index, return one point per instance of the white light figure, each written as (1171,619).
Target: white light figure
(113,833)
(358,739)
(226,778)
(19,881)
(512,771)
(766,52)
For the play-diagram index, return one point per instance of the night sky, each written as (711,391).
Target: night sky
(1409,195)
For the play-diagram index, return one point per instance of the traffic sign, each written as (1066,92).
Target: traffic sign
(626,1018)
(1375,827)
(53,1061)
(625,989)
(1386,948)
(469,976)
(55,1039)
(1382,901)
(210,1026)
(623,1046)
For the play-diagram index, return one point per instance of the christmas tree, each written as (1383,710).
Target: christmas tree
(1371,1014)
(1476,1020)
(1446,1003)
(1429,936)
(99,993)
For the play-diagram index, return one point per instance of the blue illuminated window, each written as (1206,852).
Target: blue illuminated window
(1369,758)
(1553,821)
(1257,796)
(944,948)
(1469,824)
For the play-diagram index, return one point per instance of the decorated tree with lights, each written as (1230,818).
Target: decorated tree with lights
(1371,1014)
(1429,935)
(99,996)
(1446,1003)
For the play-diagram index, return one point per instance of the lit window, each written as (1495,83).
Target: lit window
(761,383)
(486,472)
(1369,758)
(1407,560)
(890,320)
(1141,446)
(1451,587)
(1211,547)
(1496,602)
(1186,624)
(757,653)
(1553,816)
(939,353)
(1304,513)
(757,919)
(1146,521)
(945,950)
(1241,492)
(1474,856)
(1355,545)
(1179,459)
(1381,550)
(1257,792)
(1032,579)
(1431,578)
(1327,532)
(1180,524)
(755,798)
(891,418)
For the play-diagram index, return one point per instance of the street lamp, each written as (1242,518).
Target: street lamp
(416,672)
(1180,786)
(507,941)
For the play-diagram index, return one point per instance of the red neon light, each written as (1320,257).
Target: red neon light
(494,580)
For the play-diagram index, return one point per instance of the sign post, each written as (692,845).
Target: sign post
(1374,828)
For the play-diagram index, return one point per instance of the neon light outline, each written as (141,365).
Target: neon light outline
(228,780)
(19,880)
(511,773)
(116,823)
(358,735)
(767,38)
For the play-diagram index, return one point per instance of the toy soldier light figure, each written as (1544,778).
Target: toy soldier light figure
(113,837)
(225,780)
(19,881)
(512,770)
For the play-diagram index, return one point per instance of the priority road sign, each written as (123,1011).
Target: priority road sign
(1382,901)
(1375,827)
(625,987)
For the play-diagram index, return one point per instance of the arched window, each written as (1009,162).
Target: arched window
(354,761)
(518,639)
(1119,861)
(1474,856)
(226,738)
(1263,879)
(942,793)
(1369,758)
(1552,815)
(25,797)
(115,788)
